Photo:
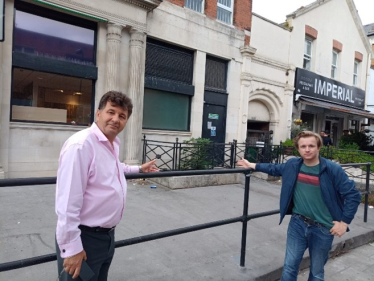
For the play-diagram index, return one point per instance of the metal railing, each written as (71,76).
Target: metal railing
(177,156)
(244,218)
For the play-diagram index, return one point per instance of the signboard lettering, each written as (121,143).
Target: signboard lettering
(310,84)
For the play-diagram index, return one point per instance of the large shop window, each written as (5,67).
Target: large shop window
(47,97)
(168,87)
(53,67)
(165,110)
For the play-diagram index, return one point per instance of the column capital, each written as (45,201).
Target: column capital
(248,51)
(114,32)
(137,37)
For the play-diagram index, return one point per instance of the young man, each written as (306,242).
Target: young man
(91,190)
(320,197)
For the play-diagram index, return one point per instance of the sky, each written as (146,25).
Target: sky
(276,10)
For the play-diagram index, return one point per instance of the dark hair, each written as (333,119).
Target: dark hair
(306,134)
(116,99)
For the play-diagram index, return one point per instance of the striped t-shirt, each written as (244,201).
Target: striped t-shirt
(307,197)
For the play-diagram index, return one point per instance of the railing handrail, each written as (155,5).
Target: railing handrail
(135,240)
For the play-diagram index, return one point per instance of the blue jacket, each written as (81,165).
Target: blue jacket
(338,191)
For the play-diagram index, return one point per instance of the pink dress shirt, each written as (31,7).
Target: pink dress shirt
(91,187)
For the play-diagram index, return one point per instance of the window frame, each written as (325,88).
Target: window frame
(356,65)
(228,9)
(308,57)
(334,67)
(191,6)
(55,66)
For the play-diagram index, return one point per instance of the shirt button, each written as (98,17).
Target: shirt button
(63,250)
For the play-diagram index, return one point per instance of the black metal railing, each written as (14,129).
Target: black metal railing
(177,156)
(244,218)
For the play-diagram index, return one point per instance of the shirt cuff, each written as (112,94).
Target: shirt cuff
(71,249)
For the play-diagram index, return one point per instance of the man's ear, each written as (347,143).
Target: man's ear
(97,113)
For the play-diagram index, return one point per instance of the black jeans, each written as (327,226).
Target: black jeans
(99,247)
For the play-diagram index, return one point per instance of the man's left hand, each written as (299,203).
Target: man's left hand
(339,228)
(150,167)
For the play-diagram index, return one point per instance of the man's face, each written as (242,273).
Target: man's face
(111,120)
(308,149)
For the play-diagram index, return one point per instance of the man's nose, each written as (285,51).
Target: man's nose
(115,117)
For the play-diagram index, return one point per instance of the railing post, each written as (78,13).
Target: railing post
(175,155)
(244,221)
(368,166)
(144,149)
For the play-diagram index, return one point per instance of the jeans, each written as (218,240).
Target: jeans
(301,236)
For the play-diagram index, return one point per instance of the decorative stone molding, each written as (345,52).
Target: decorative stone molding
(247,51)
(271,63)
(91,10)
(269,82)
(148,5)
(265,93)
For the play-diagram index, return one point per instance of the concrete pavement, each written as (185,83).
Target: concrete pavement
(27,225)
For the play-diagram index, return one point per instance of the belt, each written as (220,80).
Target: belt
(309,221)
(95,229)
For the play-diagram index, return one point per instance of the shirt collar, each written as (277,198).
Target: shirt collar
(100,135)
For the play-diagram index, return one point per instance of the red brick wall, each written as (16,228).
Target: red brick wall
(359,56)
(243,14)
(211,9)
(177,2)
(337,45)
(311,32)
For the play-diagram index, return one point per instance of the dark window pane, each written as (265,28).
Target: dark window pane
(168,62)
(54,39)
(215,73)
(48,97)
(165,110)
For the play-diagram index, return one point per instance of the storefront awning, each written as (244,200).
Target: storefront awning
(336,107)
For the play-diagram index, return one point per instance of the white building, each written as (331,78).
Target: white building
(325,56)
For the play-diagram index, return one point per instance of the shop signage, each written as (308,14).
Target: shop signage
(2,17)
(310,84)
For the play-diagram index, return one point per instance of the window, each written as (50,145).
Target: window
(224,10)
(53,67)
(355,73)
(307,54)
(166,110)
(48,97)
(196,5)
(168,87)
(334,64)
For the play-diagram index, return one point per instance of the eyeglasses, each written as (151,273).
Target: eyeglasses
(58,277)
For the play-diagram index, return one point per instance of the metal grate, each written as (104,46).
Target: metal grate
(215,73)
(169,63)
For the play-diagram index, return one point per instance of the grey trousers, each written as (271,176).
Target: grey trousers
(99,247)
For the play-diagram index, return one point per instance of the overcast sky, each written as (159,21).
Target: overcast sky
(276,10)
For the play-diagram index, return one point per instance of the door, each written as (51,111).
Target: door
(214,128)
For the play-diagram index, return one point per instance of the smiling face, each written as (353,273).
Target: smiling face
(309,150)
(111,120)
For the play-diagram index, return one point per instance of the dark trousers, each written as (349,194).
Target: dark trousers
(99,247)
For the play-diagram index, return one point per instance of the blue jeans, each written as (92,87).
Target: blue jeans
(301,236)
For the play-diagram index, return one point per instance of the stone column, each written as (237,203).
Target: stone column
(133,130)
(245,90)
(113,40)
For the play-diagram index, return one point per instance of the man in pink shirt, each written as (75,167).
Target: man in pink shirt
(91,191)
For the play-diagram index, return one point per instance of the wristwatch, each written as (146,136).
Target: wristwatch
(140,169)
